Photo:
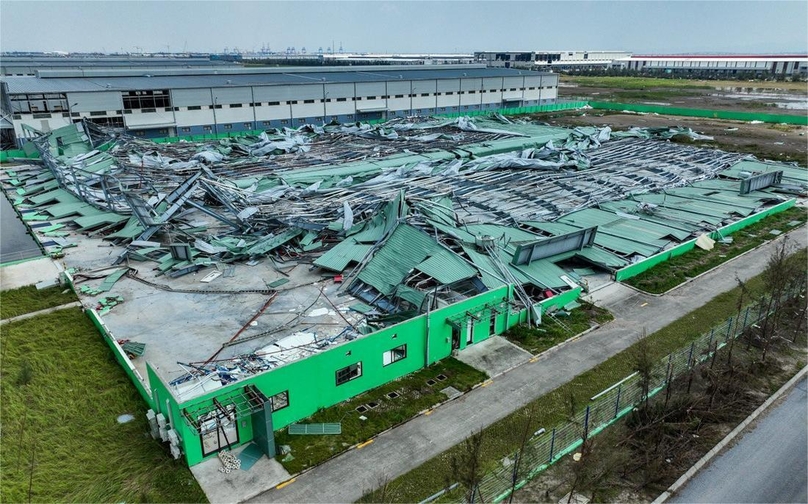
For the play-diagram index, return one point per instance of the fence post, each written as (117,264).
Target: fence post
(745,317)
(617,403)
(729,329)
(586,423)
(710,341)
(690,357)
(552,446)
(668,373)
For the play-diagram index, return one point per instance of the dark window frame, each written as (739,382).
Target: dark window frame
(348,373)
(395,357)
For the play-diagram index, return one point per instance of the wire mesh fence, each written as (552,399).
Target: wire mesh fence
(605,408)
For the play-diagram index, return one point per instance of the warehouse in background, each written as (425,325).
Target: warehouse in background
(169,102)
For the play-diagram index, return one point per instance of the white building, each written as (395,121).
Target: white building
(729,65)
(550,60)
(200,101)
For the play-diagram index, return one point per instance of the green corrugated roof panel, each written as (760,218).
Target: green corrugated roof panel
(269,243)
(489,273)
(446,267)
(792,173)
(130,230)
(343,254)
(405,248)
(409,294)
(65,209)
(496,231)
(59,195)
(91,221)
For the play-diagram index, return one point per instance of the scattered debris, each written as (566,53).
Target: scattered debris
(229,462)
(125,418)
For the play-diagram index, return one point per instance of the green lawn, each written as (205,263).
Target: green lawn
(27,299)
(677,270)
(502,437)
(550,333)
(415,395)
(62,392)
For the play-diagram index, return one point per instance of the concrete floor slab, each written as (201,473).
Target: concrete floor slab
(494,356)
(29,273)
(238,485)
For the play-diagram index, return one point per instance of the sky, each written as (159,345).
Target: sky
(657,27)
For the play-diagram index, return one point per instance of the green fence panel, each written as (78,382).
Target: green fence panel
(713,114)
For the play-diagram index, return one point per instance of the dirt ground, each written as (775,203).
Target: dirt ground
(762,97)
(777,142)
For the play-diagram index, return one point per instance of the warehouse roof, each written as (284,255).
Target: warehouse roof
(55,81)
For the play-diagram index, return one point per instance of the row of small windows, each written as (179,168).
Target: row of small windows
(150,101)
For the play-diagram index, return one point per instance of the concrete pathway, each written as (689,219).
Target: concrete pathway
(29,273)
(347,477)
(39,312)
(494,356)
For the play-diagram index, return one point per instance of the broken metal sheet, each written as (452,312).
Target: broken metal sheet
(704,242)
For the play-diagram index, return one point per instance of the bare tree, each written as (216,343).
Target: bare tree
(529,414)
(777,276)
(466,465)
(643,364)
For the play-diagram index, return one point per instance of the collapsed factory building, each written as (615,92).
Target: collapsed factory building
(247,282)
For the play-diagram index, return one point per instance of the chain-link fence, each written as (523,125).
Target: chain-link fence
(545,448)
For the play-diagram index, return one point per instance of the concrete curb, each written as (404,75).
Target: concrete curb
(40,312)
(729,261)
(707,458)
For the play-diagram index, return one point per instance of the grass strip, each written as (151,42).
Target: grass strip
(667,275)
(502,437)
(28,299)
(62,393)
(538,339)
(413,394)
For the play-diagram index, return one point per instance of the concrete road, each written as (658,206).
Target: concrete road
(346,477)
(768,464)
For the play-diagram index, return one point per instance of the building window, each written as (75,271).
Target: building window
(341,99)
(217,106)
(357,98)
(147,110)
(284,121)
(227,126)
(47,115)
(273,103)
(349,373)
(267,123)
(194,107)
(186,130)
(399,96)
(424,94)
(308,101)
(146,99)
(396,354)
(301,121)
(371,98)
(292,102)
(334,118)
(235,105)
(97,113)
(248,125)
(279,400)
(207,128)
(513,89)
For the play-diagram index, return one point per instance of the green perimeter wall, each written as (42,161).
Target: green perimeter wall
(648,263)
(713,114)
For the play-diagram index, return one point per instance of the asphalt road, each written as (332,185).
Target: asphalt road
(768,464)
(346,477)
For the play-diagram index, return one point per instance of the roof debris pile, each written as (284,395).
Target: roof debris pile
(356,227)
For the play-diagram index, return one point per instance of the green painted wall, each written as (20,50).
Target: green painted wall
(311,382)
